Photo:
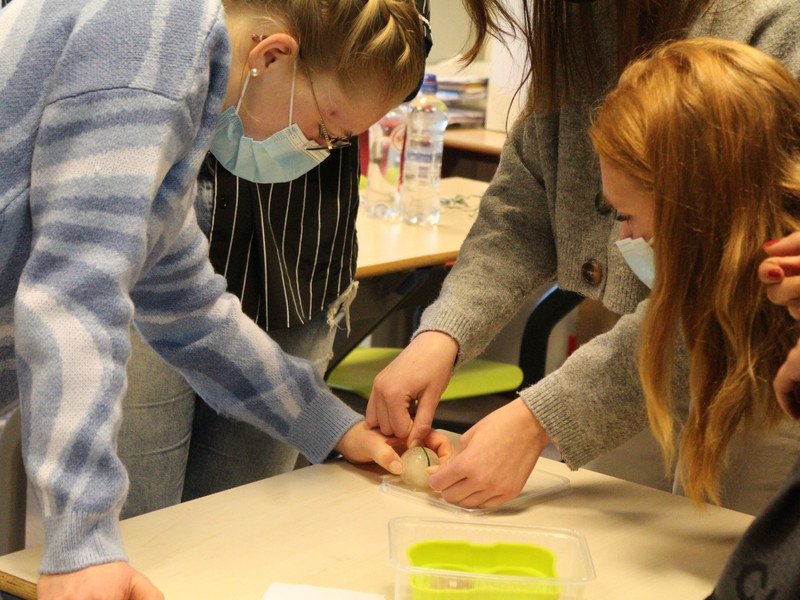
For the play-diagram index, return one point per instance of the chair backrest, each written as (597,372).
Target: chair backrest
(553,306)
(14,484)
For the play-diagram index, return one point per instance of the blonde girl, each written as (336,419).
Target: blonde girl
(107,109)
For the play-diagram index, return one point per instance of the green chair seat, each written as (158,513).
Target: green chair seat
(478,377)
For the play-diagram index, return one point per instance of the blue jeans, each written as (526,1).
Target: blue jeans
(177,448)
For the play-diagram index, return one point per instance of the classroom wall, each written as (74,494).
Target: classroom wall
(450,26)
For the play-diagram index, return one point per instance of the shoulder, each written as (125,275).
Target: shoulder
(167,47)
(745,17)
(769,25)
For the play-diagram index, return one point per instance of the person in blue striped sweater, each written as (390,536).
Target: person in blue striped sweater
(107,108)
(288,252)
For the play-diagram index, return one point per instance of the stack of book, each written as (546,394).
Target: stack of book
(464,90)
(465,96)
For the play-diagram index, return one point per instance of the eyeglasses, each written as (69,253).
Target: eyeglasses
(331,143)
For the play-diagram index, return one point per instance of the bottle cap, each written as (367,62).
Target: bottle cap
(429,84)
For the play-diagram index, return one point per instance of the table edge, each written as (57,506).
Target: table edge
(406,264)
(12,584)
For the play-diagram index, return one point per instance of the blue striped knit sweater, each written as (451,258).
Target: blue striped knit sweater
(106,111)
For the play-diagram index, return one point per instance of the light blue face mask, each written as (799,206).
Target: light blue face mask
(282,157)
(640,257)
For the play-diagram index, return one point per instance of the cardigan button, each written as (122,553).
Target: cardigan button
(592,272)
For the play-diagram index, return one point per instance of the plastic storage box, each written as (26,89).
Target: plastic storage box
(464,560)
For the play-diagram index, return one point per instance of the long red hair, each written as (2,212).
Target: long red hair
(712,129)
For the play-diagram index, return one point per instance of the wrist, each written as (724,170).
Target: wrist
(530,425)
(76,540)
(443,340)
(343,445)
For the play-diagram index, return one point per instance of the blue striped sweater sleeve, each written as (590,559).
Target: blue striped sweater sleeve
(97,157)
(183,311)
(96,213)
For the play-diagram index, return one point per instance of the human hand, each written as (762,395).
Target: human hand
(362,444)
(438,442)
(786,383)
(493,460)
(780,272)
(110,581)
(418,375)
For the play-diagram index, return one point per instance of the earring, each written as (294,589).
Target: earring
(253,72)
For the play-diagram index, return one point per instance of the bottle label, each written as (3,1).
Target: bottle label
(419,157)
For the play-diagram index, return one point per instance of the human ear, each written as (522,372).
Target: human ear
(271,50)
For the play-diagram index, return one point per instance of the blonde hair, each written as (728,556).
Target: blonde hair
(712,129)
(562,43)
(365,44)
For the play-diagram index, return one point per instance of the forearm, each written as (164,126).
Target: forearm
(92,193)
(594,402)
(509,252)
(183,311)
(243,374)
(72,343)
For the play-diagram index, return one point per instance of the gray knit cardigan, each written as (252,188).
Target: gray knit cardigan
(538,222)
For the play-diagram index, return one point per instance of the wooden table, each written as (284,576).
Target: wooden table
(327,525)
(388,247)
(473,153)
(480,140)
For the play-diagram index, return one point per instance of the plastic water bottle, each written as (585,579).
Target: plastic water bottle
(386,138)
(422,160)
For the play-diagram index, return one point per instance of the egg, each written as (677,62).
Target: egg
(416,461)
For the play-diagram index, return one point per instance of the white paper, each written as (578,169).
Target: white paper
(288,591)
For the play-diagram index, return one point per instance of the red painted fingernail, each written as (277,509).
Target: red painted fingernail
(774,274)
(770,243)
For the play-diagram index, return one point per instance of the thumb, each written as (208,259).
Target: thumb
(371,415)
(383,454)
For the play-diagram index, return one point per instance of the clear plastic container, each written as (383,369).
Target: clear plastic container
(466,560)
(540,486)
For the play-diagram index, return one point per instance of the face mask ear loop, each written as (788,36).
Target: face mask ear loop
(244,89)
(291,95)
